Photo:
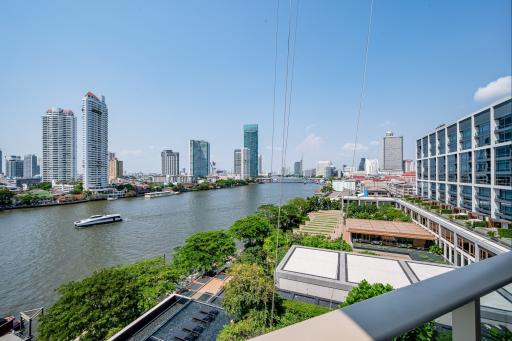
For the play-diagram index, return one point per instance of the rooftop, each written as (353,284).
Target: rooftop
(388,228)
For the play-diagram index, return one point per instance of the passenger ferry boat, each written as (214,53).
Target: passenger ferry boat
(98,219)
(159,194)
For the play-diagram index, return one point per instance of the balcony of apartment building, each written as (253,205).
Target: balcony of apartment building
(424,147)
(442,193)
(504,204)
(503,128)
(465,134)
(432,142)
(433,192)
(483,128)
(441,141)
(483,200)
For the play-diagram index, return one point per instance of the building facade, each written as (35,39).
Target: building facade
(1,162)
(409,166)
(323,168)
(95,142)
(245,163)
(362,165)
(115,169)
(468,163)
(237,162)
(199,156)
(14,167)
(59,145)
(30,166)
(170,162)
(251,143)
(297,168)
(260,164)
(392,153)
(371,166)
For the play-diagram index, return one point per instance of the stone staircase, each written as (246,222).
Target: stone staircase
(321,223)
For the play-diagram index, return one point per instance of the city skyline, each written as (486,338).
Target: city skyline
(455,80)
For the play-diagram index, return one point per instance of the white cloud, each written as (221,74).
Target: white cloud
(349,147)
(311,142)
(131,152)
(494,90)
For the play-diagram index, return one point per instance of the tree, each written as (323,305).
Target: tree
(5,197)
(254,325)
(204,251)
(105,302)
(269,212)
(78,189)
(43,185)
(251,230)
(249,289)
(92,306)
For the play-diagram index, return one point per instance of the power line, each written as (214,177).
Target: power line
(275,82)
(363,85)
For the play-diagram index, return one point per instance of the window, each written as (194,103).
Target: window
(441,141)
(465,167)
(452,138)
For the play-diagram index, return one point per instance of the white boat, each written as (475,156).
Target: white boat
(111,197)
(98,219)
(159,194)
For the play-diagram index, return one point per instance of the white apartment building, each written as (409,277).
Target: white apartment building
(59,145)
(95,142)
(371,167)
(468,163)
(323,168)
(170,162)
(392,153)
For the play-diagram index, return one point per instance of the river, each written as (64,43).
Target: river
(40,249)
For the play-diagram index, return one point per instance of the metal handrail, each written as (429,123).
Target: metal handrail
(404,309)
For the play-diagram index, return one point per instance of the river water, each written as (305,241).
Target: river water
(40,249)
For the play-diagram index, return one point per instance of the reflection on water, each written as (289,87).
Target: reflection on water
(40,249)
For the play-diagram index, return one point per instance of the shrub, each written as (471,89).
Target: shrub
(505,233)
(435,249)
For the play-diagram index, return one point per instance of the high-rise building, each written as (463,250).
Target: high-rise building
(251,142)
(115,169)
(14,167)
(260,165)
(297,168)
(392,153)
(30,167)
(170,162)
(59,145)
(468,163)
(321,168)
(245,162)
(237,162)
(95,142)
(310,173)
(409,166)
(371,166)
(1,162)
(199,157)
(362,164)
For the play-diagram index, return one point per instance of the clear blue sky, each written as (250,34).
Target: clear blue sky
(172,71)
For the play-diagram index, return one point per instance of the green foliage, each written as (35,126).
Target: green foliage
(203,186)
(446,211)
(295,311)
(103,303)
(249,289)
(435,249)
(364,291)
(505,233)
(327,188)
(27,198)
(6,197)
(43,185)
(253,255)
(320,242)
(251,230)
(315,203)
(491,234)
(269,212)
(383,212)
(252,326)
(78,189)
(204,251)
(498,334)
(228,183)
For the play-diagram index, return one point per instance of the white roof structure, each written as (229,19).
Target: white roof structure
(314,262)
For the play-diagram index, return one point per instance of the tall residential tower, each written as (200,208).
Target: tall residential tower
(95,142)
(392,153)
(251,142)
(59,145)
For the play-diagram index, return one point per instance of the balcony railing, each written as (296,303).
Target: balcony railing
(397,312)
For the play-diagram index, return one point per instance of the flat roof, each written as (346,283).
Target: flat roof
(313,262)
(388,228)
(424,271)
(376,270)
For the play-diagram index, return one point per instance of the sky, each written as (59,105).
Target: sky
(178,70)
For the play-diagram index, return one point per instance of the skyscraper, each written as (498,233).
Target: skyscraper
(324,168)
(199,156)
(59,145)
(245,158)
(392,153)
(260,165)
(95,142)
(362,166)
(251,142)
(30,167)
(237,162)
(170,162)
(1,162)
(297,168)
(14,167)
